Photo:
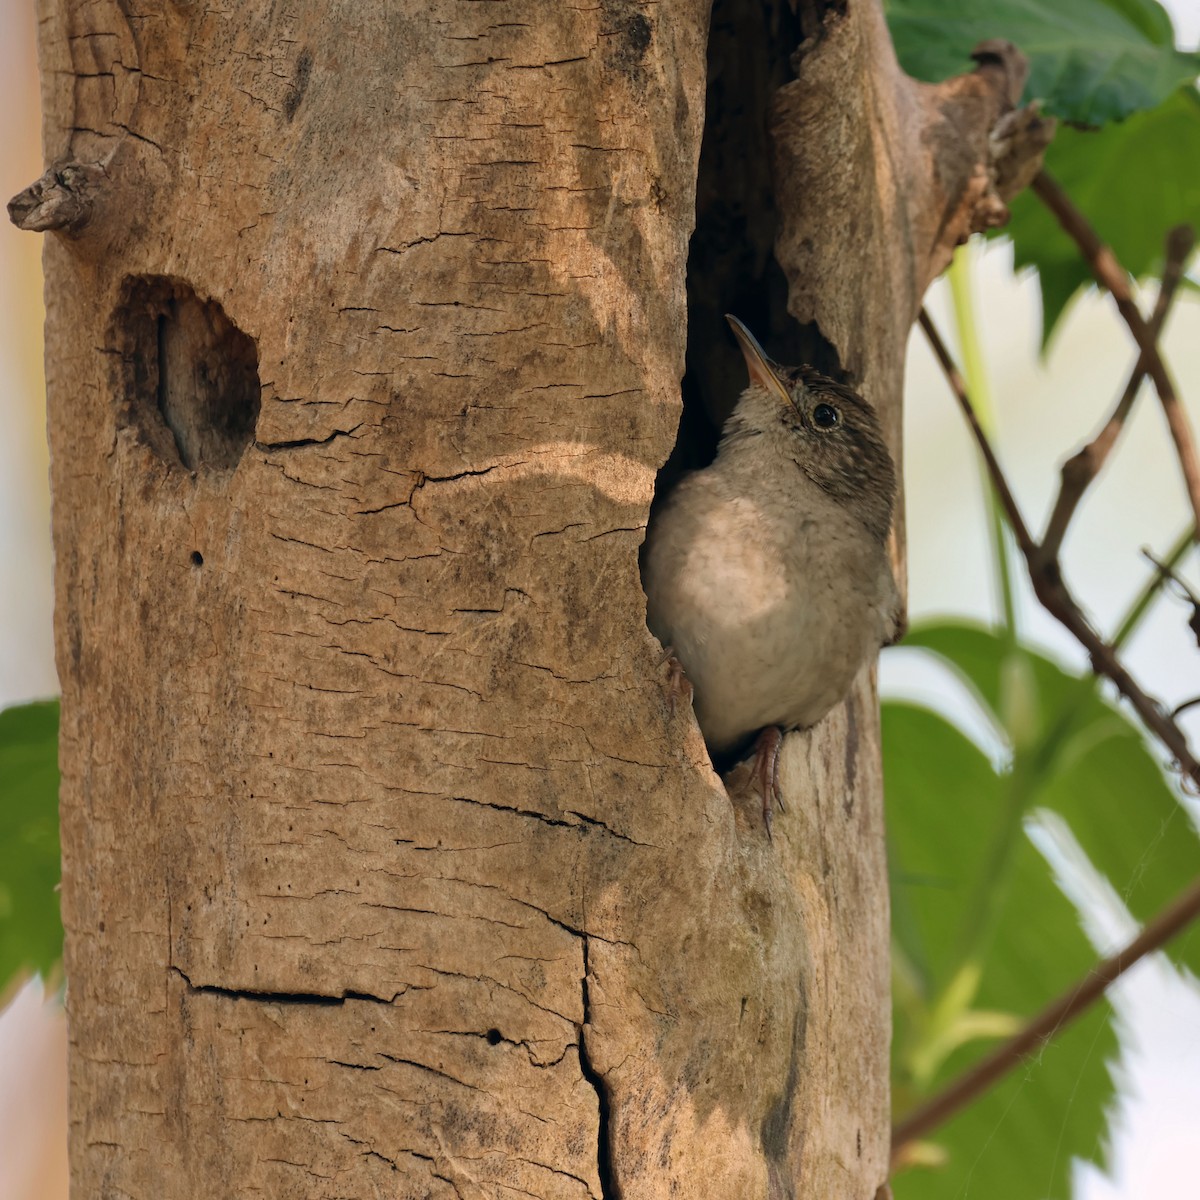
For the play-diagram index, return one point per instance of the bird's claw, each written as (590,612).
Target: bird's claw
(678,683)
(766,771)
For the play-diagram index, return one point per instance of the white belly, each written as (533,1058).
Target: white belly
(770,613)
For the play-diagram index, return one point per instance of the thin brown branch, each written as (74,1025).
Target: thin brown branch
(1053,593)
(1186,594)
(1151,588)
(1082,467)
(1110,274)
(1166,571)
(1052,1019)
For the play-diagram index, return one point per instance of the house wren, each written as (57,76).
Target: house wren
(767,573)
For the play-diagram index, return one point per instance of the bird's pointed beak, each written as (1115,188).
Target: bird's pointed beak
(762,370)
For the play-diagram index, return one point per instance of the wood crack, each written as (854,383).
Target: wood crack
(264,995)
(605,1165)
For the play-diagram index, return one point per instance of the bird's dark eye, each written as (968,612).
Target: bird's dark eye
(825,416)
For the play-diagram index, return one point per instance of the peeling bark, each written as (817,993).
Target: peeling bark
(388,868)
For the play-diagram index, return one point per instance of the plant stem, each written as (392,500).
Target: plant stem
(975,374)
(989,894)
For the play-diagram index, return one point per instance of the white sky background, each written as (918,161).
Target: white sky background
(1044,411)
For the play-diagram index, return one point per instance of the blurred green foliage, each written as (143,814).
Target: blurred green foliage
(1133,181)
(1090,61)
(30,925)
(982,936)
(1128,148)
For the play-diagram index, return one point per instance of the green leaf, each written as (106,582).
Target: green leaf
(1090,763)
(944,805)
(1023,692)
(1018,1139)
(1091,61)
(1129,823)
(1133,181)
(1149,17)
(1060,1100)
(30,924)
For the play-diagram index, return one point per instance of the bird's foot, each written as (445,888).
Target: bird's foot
(766,771)
(678,684)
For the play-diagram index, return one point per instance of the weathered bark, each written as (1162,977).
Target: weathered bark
(881,187)
(388,868)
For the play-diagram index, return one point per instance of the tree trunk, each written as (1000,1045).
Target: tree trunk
(388,867)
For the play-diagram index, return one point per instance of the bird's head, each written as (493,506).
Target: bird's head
(829,431)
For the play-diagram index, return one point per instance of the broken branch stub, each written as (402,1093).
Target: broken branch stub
(908,173)
(62,198)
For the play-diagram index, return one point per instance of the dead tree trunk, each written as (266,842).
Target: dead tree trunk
(388,869)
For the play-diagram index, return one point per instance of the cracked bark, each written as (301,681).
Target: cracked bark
(388,867)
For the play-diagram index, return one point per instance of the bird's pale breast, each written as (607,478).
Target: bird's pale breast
(771,599)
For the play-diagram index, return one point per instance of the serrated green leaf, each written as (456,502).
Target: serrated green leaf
(1130,825)
(945,802)
(944,805)
(1091,61)
(30,924)
(1017,1140)
(1039,948)
(1133,181)
(1092,765)
(988,665)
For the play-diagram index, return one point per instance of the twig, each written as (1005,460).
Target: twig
(1050,589)
(1071,1004)
(1110,274)
(1082,467)
(1166,571)
(1186,594)
(1151,589)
